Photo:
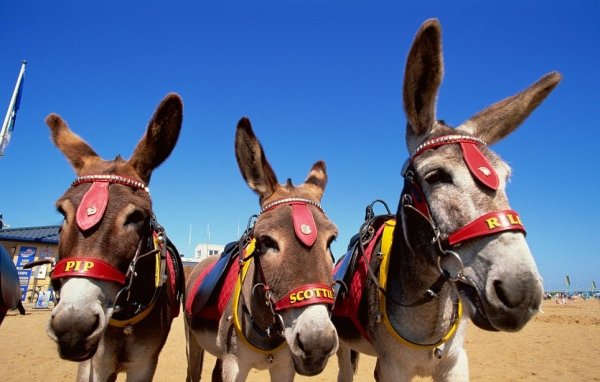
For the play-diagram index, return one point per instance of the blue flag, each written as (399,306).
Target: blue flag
(11,114)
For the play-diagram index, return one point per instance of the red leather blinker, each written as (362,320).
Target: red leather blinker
(92,206)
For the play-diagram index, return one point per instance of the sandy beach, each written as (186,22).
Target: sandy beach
(560,344)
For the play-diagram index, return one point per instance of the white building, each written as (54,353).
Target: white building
(204,250)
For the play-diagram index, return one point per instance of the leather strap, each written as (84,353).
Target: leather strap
(488,224)
(304,295)
(88,267)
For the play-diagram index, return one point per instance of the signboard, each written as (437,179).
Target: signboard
(26,256)
(43,299)
(40,271)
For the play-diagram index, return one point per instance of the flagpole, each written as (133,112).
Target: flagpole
(13,100)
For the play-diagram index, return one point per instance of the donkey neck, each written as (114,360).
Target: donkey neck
(410,275)
(257,317)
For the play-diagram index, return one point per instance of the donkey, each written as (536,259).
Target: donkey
(10,292)
(119,277)
(278,315)
(453,245)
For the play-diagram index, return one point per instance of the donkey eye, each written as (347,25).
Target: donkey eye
(330,241)
(135,217)
(437,176)
(266,243)
(60,210)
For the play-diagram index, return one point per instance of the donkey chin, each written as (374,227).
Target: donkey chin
(312,338)
(78,322)
(505,301)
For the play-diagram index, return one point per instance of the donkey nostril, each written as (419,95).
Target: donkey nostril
(300,344)
(504,295)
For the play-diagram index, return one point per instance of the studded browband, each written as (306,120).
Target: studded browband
(269,206)
(126,181)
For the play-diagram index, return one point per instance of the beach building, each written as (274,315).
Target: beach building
(26,245)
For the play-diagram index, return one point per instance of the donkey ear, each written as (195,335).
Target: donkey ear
(318,177)
(500,119)
(160,137)
(253,164)
(422,78)
(77,151)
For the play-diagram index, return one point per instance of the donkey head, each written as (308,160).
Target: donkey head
(107,213)
(462,181)
(293,236)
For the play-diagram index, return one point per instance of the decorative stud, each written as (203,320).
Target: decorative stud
(485,171)
(91,211)
(305,229)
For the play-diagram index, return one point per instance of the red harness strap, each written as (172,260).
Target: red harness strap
(349,305)
(308,294)
(490,223)
(88,267)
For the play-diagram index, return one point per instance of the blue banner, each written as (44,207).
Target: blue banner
(26,256)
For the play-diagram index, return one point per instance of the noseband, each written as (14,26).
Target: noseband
(127,310)
(300,296)
(487,224)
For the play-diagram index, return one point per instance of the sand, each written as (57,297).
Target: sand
(560,344)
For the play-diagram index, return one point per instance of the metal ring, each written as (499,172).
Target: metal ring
(451,255)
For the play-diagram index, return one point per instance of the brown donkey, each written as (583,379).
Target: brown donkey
(272,310)
(453,245)
(120,279)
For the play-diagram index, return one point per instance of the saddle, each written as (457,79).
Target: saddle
(214,285)
(176,287)
(10,292)
(351,271)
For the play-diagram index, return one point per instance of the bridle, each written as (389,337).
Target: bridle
(487,224)
(127,308)
(299,296)
(447,260)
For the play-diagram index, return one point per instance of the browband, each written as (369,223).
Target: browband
(269,206)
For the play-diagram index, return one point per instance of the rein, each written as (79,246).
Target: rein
(300,296)
(127,309)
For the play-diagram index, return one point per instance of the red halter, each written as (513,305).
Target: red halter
(306,231)
(482,170)
(89,213)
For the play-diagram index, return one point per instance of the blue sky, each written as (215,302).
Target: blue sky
(319,80)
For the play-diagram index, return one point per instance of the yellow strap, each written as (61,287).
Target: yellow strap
(133,320)
(386,245)
(158,266)
(236,299)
